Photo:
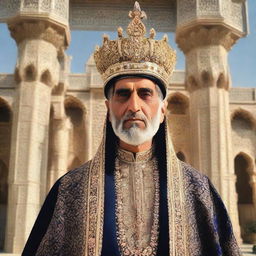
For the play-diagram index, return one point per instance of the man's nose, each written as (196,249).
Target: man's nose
(133,103)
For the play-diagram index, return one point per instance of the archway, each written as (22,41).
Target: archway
(178,104)
(5,144)
(244,170)
(75,111)
(179,123)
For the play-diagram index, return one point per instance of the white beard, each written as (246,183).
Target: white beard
(135,135)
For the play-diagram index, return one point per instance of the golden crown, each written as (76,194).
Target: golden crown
(135,54)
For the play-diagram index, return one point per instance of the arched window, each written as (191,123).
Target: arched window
(178,104)
(242,171)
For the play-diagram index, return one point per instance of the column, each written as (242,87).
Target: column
(205,33)
(40,40)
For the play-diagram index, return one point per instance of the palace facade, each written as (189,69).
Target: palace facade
(51,120)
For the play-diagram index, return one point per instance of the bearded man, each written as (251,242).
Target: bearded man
(134,197)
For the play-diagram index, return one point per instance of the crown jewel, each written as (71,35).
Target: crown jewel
(135,54)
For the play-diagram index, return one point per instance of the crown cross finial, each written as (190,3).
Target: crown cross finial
(137,12)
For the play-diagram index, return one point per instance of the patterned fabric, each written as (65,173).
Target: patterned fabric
(71,220)
(137,193)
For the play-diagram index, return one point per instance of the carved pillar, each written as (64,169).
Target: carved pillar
(208,81)
(206,31)
(39,42)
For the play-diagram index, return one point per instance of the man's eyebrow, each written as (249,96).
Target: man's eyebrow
(145,89)
(122,90)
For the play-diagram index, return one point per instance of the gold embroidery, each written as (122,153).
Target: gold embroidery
(139,239)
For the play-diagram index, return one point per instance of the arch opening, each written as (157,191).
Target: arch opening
(178,104)
(242,120)
(5,113)
(243,187)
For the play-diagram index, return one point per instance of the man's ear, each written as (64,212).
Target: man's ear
(107,106)
(163,109)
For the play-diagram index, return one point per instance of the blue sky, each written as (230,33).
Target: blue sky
(242,58)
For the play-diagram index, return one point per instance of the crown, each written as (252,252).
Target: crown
(135,54)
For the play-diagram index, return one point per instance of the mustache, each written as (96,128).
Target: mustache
(134,115)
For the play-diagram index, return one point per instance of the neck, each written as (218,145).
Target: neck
(135,149)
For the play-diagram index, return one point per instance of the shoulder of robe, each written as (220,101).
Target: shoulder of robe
(195,181)
(75,176)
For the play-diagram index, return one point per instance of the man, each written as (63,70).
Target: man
(134,197)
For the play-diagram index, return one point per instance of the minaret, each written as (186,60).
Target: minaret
(206,31)
(40,29)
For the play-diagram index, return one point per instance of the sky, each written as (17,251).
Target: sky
(242,57)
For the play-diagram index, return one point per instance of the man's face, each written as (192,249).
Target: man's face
(135,109)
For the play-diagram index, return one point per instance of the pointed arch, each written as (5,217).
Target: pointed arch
(5,111)
(46,78)
(241,118)
(30,73)
(178,104)
(243,170)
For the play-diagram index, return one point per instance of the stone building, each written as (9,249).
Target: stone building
(51,120)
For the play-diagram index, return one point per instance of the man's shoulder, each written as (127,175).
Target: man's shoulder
(195,180)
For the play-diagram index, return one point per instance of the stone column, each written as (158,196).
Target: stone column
(205,32)
(59,144)
(39,43)
(208,81)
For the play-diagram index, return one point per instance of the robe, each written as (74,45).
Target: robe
(78,215)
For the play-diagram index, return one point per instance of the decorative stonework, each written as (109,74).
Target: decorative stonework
(55,9)
(93,16)
(212,12)
(37,61)
(205,36)
(208,8)
(38,30)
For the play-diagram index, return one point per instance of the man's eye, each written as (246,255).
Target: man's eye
(145,94)
(123,94)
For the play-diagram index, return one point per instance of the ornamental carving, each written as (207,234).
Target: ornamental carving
(38,30)
(204,36)
(207,66)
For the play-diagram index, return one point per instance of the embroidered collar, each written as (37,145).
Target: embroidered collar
(128,156)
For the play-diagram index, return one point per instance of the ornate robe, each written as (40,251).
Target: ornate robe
(78,216)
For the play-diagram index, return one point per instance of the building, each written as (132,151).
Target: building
(51,120)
